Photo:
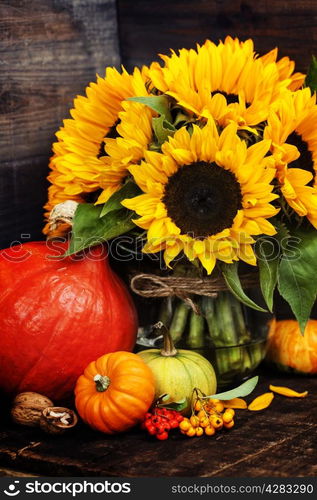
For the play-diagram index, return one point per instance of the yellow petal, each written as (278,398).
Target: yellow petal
(285,391)
(236,403)
(261,402)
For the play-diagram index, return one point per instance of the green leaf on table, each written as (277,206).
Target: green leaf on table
(164,401)
(231,276)
(311,77)
(296,281)
(160,104)
(128,190)
(90,229)
(162,129)
(239,392)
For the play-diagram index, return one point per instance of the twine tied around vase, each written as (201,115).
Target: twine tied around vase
(152,285)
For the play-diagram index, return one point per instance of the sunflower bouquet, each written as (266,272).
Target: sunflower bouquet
(207,158)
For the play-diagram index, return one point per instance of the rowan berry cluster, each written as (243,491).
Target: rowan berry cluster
(160,421)
(208,417)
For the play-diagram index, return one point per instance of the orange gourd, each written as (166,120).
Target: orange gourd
(115,392)
(288,348)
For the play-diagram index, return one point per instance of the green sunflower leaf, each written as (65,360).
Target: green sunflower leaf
(162,129)
(268,258)
(269,251)
(128,190)
(160,104)
(239,392)
(296,282)
(231,276)
(90,229)
(311,78)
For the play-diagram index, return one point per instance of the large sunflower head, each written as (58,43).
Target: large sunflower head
(292,128)
(79,156)
(206,195)
(226,81)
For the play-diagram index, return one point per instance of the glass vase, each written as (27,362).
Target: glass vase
(231,336)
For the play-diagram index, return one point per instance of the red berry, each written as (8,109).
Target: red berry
(173,423)
(179,417)
(162,436)
(160,429)
(152,430)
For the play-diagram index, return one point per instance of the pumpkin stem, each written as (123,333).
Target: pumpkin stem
(102,382)
(168,344)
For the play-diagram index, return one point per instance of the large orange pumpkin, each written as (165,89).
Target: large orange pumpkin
(115,392)
(57,315)
(288,348)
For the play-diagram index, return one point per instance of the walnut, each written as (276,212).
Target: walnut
(27,408)
(57,420)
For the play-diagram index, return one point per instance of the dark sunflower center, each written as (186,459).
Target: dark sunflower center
(305,160)
(202,199)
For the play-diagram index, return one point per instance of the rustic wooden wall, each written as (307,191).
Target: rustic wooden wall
(148,27)
(49,51)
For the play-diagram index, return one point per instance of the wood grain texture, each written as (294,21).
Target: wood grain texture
(150,27)
(277,442)
(49,51)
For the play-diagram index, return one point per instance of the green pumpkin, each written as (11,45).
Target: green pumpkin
(178,372)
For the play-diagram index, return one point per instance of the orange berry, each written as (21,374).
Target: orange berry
(201,414)
(194,421)
(210,430)
(216,422)
(227,417)
(184,425)
(228,425)
(191,432)
(204,422)
(198,406)
(219,407)
(230,411)
(199,431)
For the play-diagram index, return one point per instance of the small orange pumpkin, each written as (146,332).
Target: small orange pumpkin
(115,392)
(288,348)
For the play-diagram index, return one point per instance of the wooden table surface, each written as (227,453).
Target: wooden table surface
(280,441)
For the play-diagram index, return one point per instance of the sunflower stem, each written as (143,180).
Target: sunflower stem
(208,310)
(196,331)
(225,319)
(179,321)
(243,334)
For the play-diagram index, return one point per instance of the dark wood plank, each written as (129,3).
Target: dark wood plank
(148,27)
(49,51)
(262,444)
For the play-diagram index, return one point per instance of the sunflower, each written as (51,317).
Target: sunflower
(292,128)
(285,67)
(206,195)
(226,81)
(79,155)
(135,134)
